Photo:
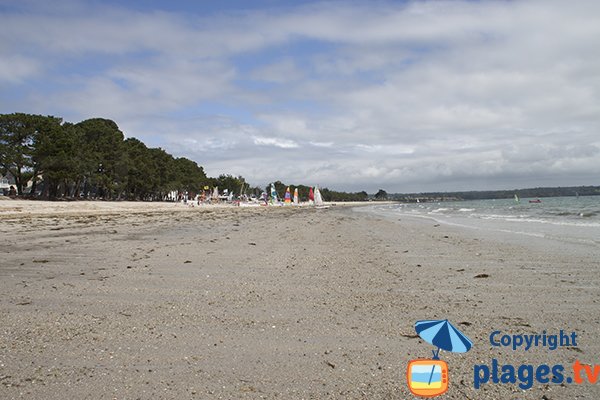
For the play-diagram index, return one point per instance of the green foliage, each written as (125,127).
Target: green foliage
(57,157)
(381,195)
(231,183)
(91,159)
(105,165)
(331,195)
(19,136)
(189,176)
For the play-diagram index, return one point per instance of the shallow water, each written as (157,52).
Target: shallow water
(567,219)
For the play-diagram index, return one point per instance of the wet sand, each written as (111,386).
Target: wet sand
(150,300)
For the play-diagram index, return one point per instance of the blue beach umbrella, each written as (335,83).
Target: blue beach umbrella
(443,335)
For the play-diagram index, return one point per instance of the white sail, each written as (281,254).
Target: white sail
(274,199)
(318,198)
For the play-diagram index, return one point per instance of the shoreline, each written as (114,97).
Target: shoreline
(568,236)
(21,207)
(290,303)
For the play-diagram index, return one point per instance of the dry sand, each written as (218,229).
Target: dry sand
(150,301)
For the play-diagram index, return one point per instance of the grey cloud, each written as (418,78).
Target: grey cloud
(429,95)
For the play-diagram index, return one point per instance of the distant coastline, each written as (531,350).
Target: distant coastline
(539,192)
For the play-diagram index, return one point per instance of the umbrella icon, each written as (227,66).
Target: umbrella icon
(443,335)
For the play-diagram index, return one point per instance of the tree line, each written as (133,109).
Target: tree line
(92,159)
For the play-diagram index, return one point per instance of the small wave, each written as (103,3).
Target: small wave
(564,213)
(492,216)
(561,223)
(466,209)
(582,214)
(437,210)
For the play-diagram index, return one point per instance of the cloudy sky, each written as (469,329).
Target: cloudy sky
(352,95)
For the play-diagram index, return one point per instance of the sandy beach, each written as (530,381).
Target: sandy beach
(162,301)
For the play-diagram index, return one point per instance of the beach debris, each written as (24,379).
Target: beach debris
(482,276)
(460,270)
(465,323)
(410,336)
(577,349)
(248,389)
(332,365)
(187,262)
(252,243)
(24,303)
(41,261)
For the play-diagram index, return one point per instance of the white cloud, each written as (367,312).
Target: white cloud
(283,71)
(276,142)
(17,69)
(411,95)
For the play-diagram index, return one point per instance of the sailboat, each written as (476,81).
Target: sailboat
(288,197)
(517,200)
(273,200)
(318,199)
(296,201)
(311,196)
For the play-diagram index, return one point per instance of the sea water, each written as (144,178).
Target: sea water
(566,219)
